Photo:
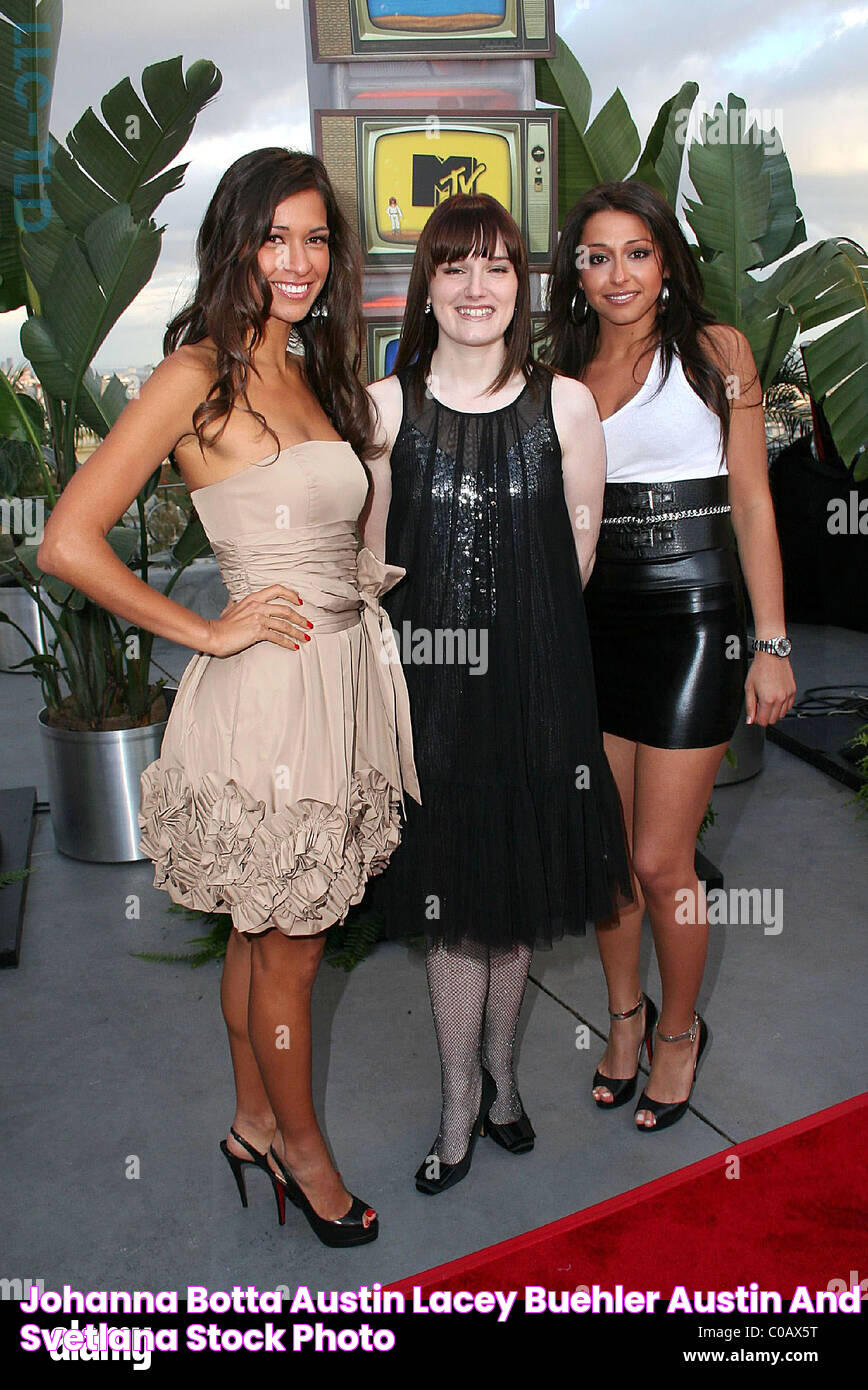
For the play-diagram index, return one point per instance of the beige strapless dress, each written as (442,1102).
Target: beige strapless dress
(278,791)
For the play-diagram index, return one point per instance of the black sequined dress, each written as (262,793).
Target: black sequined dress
(519,836)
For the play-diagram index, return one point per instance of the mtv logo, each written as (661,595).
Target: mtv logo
(435,179)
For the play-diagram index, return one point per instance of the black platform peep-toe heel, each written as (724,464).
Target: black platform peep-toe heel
(238,1165)
(448,1174)
(624,1088)
(516,1136)
(356,1227)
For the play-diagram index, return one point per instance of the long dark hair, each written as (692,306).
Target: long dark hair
(233,298)
(572,345)
(467,224)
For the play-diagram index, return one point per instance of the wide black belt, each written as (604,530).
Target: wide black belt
(648,521)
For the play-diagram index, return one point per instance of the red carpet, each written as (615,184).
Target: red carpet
(795,1215)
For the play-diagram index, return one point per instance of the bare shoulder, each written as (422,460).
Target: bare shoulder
(388,401)
(725,344)
(572,402)
(731,352)
(386,393)
(186,373)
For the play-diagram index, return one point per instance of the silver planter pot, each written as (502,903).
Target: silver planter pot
(93,787)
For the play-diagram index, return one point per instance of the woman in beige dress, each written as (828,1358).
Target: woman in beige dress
(279,787)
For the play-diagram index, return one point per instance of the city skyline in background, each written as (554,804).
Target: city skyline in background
(798,64)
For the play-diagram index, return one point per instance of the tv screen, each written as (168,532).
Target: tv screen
(433,16)
(392,170)
(342,30)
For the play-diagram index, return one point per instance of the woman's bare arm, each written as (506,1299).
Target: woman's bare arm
(75,548)
(770,688)
(388,402)
(583,463)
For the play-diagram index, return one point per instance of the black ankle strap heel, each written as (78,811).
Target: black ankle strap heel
(257,1160)
(624,1088)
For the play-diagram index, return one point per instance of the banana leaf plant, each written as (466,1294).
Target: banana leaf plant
(77,244)
(748,227)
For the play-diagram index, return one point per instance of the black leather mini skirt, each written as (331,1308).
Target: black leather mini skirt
(666,614)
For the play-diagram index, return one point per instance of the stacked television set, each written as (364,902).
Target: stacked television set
(402,121)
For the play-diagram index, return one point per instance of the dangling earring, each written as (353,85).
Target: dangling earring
(664,295)
(320,310)
(584,313)
(427,306)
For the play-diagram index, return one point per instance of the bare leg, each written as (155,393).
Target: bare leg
(672,791)
(619,940)
(254,1117)
(283,970)
(508,972)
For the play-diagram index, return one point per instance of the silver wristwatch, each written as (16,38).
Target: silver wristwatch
(775,646)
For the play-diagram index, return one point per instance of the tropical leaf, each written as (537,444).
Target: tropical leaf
(92,283)
(192,543)
(13,283)
(661,160)
(829,282)
(587,154)
(29,42)
(768,323)
(731,212)
(122,161)
(21,415)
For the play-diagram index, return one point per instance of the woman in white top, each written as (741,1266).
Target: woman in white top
(681,405)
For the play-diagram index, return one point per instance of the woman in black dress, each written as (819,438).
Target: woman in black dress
(488,493)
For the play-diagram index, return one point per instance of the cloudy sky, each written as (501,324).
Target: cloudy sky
(803,60)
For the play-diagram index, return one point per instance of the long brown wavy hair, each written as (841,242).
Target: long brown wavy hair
(467,224)
(572,345)
(233,298)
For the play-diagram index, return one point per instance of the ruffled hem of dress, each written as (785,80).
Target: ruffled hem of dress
(301,868)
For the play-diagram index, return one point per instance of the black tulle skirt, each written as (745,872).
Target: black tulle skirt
(519,837)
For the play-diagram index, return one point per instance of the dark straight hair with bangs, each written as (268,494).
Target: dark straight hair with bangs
(467,224)
(233,298)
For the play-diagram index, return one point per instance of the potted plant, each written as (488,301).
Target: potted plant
(75,266)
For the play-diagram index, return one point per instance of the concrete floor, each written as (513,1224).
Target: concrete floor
(111,1058)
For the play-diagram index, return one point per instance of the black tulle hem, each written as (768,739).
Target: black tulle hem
(503,870)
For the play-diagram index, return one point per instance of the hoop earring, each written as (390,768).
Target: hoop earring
(664,295)
(584,313)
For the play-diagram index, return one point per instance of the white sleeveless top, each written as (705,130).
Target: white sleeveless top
(663,437)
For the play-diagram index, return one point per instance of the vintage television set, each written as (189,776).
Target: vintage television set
(349,30)
(391,170)
(381,346)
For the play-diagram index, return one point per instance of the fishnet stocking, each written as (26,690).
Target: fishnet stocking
(508,972)
(476,1002)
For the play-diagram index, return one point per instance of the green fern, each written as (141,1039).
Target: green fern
(354,940)
(861,797)
(13,875)
(346,944)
